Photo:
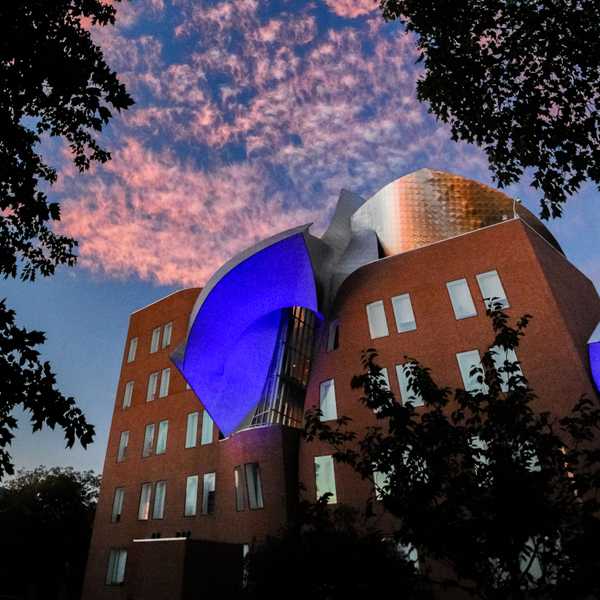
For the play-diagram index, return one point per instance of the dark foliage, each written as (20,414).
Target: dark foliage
(520,78)
(46,520)
(500,495)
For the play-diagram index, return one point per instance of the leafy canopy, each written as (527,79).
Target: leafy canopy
(519,78)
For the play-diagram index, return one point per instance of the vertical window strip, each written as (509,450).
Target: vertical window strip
(132,349)
(148,440)
(144,508)
(191,496)
(461,299)
(117,509)
(406,394)
(467,362)
(403,313)
(377,320)
(254,484)
(327,402)
(191,432)
(325,477)
(165,377)
(128,394)
(208,493)
(117,560)
(123,443)
(152,385)
(207,429)
(167,333)
(240,500)
(491,289)
(161,442)
(160,490)
(155,340)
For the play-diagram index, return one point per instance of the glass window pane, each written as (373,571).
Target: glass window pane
(167,332)
(158,512)
(144,509)
(191,432)
(467,361)
(461,299)
(117,508)
(491,289)
(191,495)
(112,564)
(325,477)
(152,385)
(240,503)
(403,313)
(208,493)
(407,395)
(327,400)
(128,395)
(120,570)
(161,442)
(164,382)
(123,442)
(207,429)
(148,440)
(381,481)
(155,339)
(333,336)
(505,371)
(132,349)
(377,321)
(255,497)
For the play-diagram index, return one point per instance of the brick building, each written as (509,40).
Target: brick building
(204,455)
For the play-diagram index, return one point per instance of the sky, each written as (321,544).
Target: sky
(250,117)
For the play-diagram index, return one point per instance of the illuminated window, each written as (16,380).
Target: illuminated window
(412,396)
(116,566)
(148,440)
(327,400)
(471,371)
(501,357)
(240,500)
(403,313)
(207,429)
(491,289)
(167,333)
(377,321)
(117,508)
(208,493)
(333,336)
(461,299)
(325,478)
(254,485)
(132,349)
(123,442)
(161,441)
(160,491)
(191,495)
(152,386)
(165,377)
(144,508)
(155,340)
(191,431)
(128,395)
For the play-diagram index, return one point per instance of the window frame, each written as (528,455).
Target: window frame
(152,387)
(407,395)
(148,449)
(132,349)
(115,575)
(163,390)
(163,427)
(128,395)
(122,448)
(162,497)
(118,500)
(503,299)
(208,439)
(196,478)
(256,499)
(467,385)
(410,325)
(371,325)
(188,435)
(450,285)
(331,414)
(208,502)
(239,488)
(167,335)
(155,340)
(318,493)
(145,486)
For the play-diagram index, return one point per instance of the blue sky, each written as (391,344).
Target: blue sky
(249,119)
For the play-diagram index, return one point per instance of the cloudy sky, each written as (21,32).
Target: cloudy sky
(250,117)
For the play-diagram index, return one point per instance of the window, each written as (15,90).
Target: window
(132,349)
(160,490)
(191,431)
(123,442)
(128,395)
(240,501)
(502,356)
(377,321)
(254,484)
(403,313)
(155,340)
(161,442)
(164,383)
(333,336)
(325,478)
(407,395)
(380,480)
(152,385)
(208,493)
(408,552)
(148,440)
(207,429)
(491,289)
(117,508)
(144,509)
(327,400)
(467,362)
(461,299)
(167,332)
(116,567)
(191,495)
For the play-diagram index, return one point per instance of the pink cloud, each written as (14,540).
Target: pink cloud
(352,8)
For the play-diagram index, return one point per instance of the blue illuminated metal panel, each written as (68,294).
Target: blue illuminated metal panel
(594,354)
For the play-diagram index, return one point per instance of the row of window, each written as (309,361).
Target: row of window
(460,298)
(468,363)
(247,488)
(155,438)
(153,389)
(155,341)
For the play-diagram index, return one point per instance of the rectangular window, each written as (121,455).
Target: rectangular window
(501,357)
(191,496)
(117,508)
(132,349)
(116,567)
(164,383)
(160,491)
(191,430)
(148,440)
(128,395)
(403,313)
(152,385)
(491,289)
(144,509)
(407,395)
(254,484)
(240,500)
(380,481)
(161,441)
(167,333)
(155,340)
(325,477)
(207,429)
(123,442)
(377,321)
(462,301)
(208,493)
(467,362)
(327,400)
(333,336)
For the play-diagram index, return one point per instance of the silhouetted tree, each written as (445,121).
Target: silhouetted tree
(46,520)
(500,499)
(519,78)
(54,83)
